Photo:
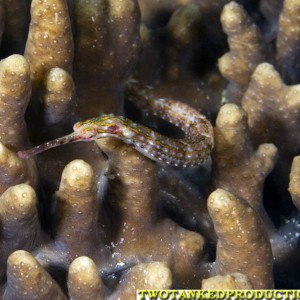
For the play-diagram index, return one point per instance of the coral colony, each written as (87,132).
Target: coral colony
(191,176)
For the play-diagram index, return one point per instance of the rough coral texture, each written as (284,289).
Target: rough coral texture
(58,97)
(99,220)
(49,39)
(15,94)
(237,167)
(288,42)
(272,108)
(233,217)
(139,200)
(246,50)
(26,279)
(107,39)
(294,186)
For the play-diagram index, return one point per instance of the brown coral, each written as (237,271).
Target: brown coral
(95,226)
(273,116)
(49,42)
(58,98)
(15,88)
(288,42)
(294,186)
(19,221)
(26,279)
(139,200)
(84,270)
(246,50)
(242,241)
(107,38)
(237,167)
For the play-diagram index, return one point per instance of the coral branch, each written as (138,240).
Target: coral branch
(84,280)
(273,110)
(132,197)
(14,170)
(58,97)
(50,42)
(76,215)
(107,40)
(183,32)
(294,186)
(26,279)
(19,221)
(243,241)
(237,167)
(246,50)
(273,117)
(155,275)
(15,89)
(288,42)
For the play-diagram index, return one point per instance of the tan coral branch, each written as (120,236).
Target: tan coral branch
(294,186)
(237,166)
(14,170)
(288,42)
(84,281)
(243,245)
(246,50)
(58,97)
(15,93)
(26,279)
(20,227)
(50,41)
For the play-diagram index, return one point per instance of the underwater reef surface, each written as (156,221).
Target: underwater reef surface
(99,220)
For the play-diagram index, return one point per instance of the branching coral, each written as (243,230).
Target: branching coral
(242,241)
(15,94)
(107,39)
(237,168)
(273,116)
(49,42)
(100,220)
(26,279)
(84,270)
(139,200)
(272,109)
(19,221)
(58,97)
(246,50)
(294,186)
(15,88)
(2,19)
(288,42)
(75,223)
(178,62)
